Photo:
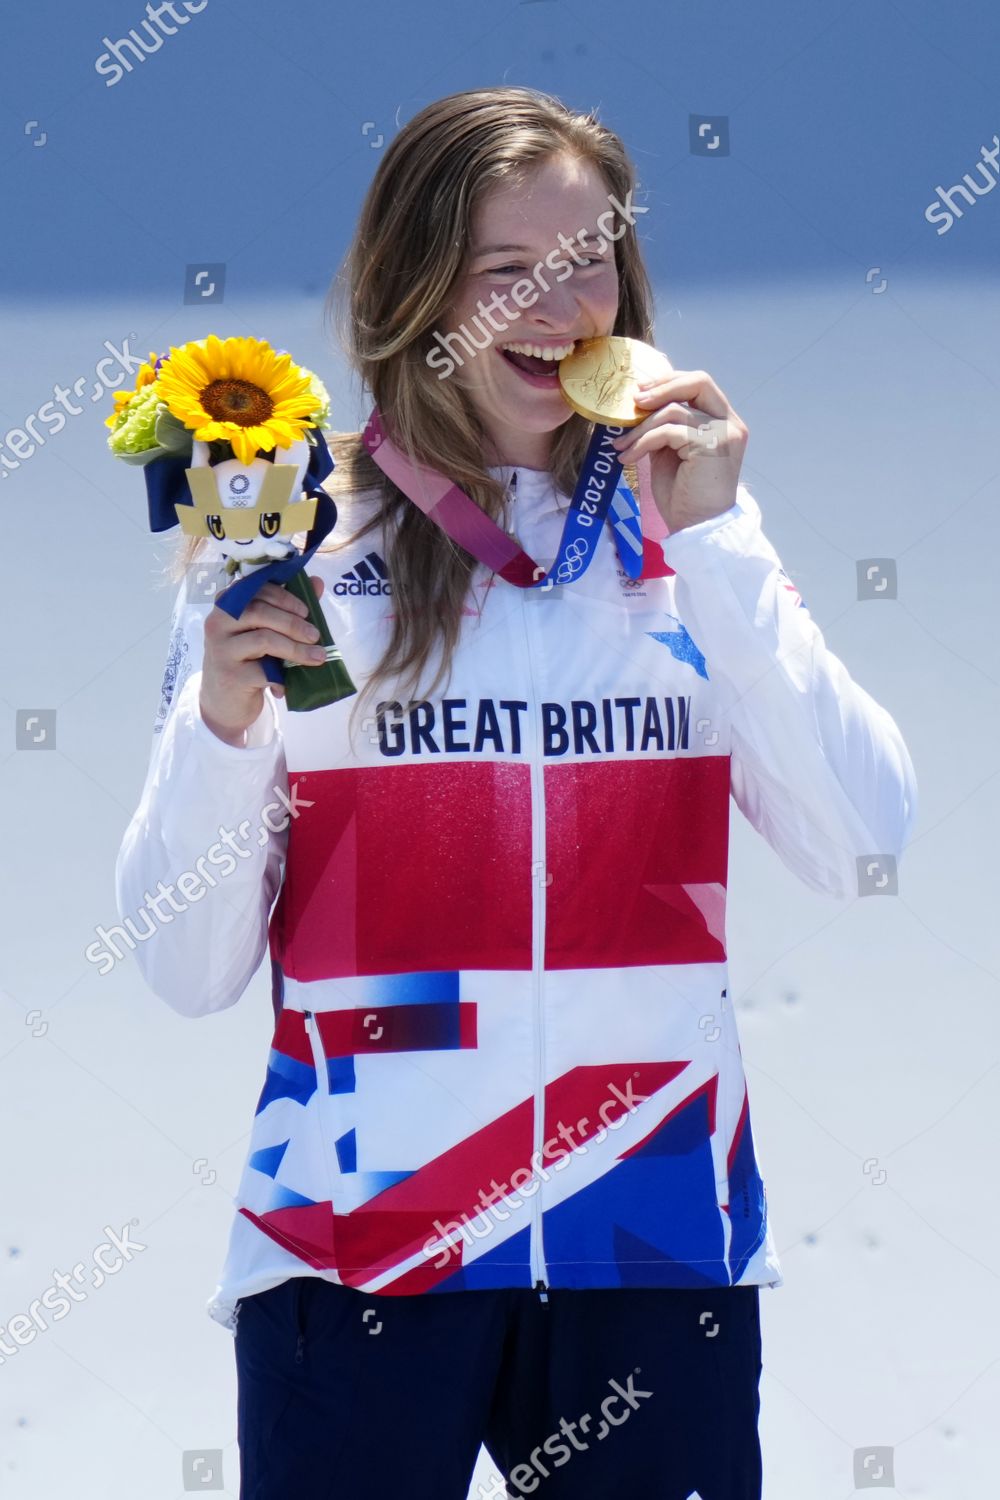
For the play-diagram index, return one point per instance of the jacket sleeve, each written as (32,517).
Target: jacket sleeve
(818,767)
(202,858)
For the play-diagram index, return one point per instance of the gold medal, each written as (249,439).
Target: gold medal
(600,379)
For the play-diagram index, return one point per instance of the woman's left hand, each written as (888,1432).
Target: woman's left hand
(695,443)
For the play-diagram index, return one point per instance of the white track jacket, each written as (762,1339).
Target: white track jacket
(504,1052)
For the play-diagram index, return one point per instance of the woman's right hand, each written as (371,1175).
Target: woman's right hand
(233,681)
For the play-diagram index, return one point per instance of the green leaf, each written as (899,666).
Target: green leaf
(146,456)
(171,434)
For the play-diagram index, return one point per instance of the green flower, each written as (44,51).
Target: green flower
(135,431)
(147,430)
(321,416)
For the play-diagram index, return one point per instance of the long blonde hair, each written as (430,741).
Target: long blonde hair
(409,250)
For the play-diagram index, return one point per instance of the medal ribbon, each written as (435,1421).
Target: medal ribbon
(598,492)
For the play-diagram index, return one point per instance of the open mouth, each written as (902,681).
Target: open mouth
(538,367)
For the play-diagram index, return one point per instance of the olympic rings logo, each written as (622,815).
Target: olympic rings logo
(572,562)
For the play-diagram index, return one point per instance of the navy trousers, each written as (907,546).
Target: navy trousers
(346,1396)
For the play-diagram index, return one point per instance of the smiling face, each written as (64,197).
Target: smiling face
(513,230)
(248,512)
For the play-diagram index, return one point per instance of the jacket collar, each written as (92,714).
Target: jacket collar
(532,491)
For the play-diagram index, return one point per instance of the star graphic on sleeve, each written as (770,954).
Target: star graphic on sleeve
(681,645)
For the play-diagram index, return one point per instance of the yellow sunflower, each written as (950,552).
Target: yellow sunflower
(239,390)
(145,375)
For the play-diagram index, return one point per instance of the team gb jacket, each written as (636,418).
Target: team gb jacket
(504,1053)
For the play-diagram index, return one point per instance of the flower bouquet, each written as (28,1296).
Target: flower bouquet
(204,422)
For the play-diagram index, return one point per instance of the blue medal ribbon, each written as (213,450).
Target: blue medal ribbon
(599,490)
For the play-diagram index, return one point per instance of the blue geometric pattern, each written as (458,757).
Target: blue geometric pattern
(747,1204)
(680,645)
(493,1268)
(286,1079)
(615,1228)
(419,988)
(347,1152)
(268,1159)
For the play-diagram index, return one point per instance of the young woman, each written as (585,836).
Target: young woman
(502,1185)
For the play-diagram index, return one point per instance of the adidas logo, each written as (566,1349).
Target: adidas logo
(369,576)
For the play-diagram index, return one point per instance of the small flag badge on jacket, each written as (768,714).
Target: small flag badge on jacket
(787,583)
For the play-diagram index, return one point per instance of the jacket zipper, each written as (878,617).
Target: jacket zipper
(319,1058)
(537,1254)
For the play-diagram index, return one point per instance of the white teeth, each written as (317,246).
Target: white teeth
(559,351)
